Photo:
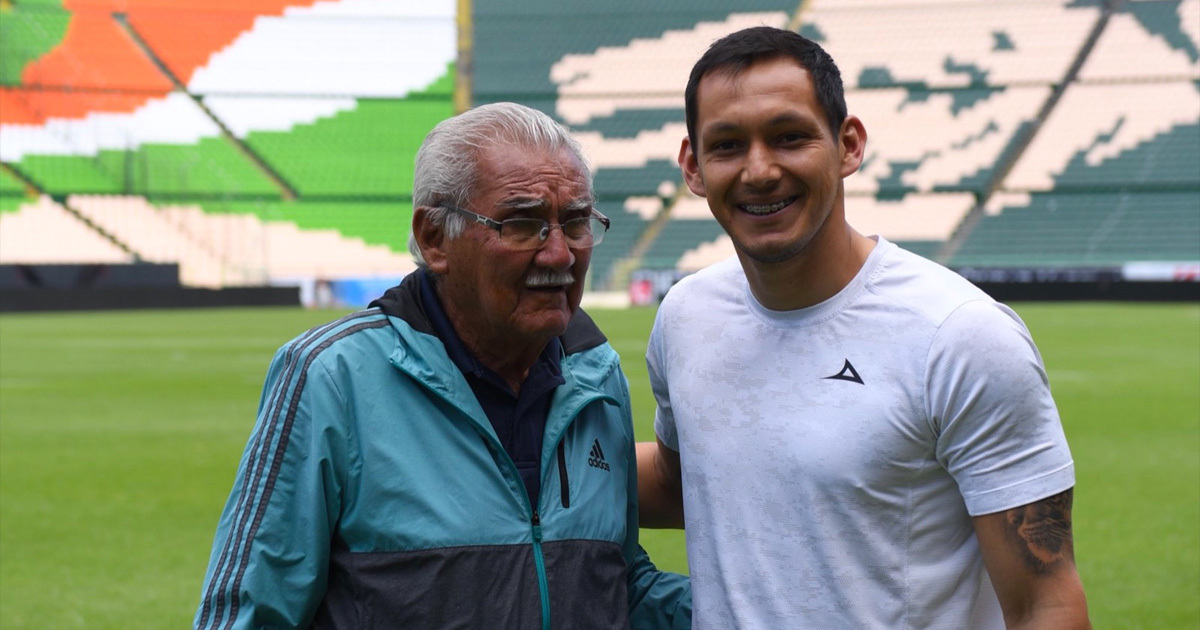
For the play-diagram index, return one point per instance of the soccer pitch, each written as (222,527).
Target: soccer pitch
(120,433)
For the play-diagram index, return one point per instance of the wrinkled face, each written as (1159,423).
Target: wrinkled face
(766,160)
(506,298)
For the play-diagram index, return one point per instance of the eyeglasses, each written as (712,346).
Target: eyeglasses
(529,234)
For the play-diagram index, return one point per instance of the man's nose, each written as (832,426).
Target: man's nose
(762,167)
(554,252)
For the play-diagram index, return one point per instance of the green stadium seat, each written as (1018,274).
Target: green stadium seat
(366,152)
(1115,135)
(627,227)
(27,31)
(676,238)
(376,223)
(1086,229)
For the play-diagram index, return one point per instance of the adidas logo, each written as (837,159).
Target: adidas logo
(848,373)
(596,458)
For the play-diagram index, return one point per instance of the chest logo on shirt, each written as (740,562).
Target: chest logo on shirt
(848,373)
(596,457)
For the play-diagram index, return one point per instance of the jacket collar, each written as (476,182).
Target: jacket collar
(420,353)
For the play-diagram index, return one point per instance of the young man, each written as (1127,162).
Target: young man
(459,455)
(855,437)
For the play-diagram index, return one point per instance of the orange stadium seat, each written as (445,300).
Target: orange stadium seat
(212,25)
(116,77)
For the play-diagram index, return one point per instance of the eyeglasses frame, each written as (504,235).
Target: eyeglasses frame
(546,225)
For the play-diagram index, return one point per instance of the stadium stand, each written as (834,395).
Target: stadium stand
(234,249)
(950,100)
(157,239)
(238,137)
(12,192)
(678,237)
(42,231)
(183,51)
(1085,229)
(365,151)
(965,88)
(29,35)
(1148,40)
(628,223)
(1156,124)
(375,223)
(927,141)
(258,141)
(1113,173)
(951,43)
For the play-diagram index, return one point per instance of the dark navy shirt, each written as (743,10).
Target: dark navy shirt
(519,420)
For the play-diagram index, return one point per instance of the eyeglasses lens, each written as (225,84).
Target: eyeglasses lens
(528,233)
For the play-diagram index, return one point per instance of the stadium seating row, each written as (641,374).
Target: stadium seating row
(212,249)
(950,92)
(1068,118)
(1085,229)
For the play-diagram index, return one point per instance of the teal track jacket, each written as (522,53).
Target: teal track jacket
(373,493)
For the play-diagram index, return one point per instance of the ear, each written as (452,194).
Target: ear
(691,168)
(431,239)
(853,144)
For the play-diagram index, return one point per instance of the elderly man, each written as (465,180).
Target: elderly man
(460,454)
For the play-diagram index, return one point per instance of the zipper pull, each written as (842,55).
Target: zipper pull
(537,527)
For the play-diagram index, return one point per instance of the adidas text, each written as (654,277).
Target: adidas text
(596,457)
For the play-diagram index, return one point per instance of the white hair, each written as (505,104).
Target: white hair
(448,161)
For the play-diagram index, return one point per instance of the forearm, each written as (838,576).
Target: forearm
(1062,607)
(660,493)
(1053,620)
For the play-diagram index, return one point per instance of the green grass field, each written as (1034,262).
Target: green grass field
(120,433)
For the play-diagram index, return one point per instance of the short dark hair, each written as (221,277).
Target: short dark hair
(737,51)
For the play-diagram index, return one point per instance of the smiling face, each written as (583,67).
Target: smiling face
(507,304)
(767,161)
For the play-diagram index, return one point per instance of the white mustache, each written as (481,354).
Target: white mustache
(549,278)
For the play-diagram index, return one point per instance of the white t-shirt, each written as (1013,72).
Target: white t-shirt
(833,456)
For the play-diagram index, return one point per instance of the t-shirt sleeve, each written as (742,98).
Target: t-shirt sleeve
(998,430)
(664,418)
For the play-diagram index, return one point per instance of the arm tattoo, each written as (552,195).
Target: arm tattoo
(1041,531)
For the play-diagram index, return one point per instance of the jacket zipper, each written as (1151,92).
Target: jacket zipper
(535,520)
(540,562)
